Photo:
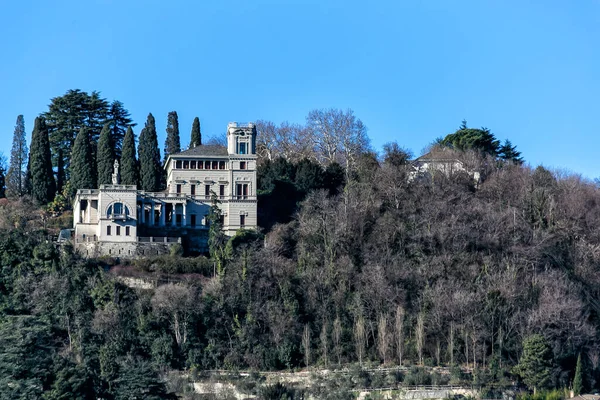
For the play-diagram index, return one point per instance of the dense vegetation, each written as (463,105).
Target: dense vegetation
(359,261)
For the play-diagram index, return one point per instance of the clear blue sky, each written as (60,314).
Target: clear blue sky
(411,70)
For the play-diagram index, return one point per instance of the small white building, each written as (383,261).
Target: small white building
(121,221)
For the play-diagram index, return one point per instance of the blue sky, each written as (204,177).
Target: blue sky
(410,70)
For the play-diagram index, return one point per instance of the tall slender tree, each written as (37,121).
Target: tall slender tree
(15,178)
(60,172)
(129,164)
(106,156)
(43,186)
(196,139)
(82,176)
(2,177)
(119,120)
(149,154)
(172,143)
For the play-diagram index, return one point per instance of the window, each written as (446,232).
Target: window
(242,164)
(127,232)
(221,164)
(178,219)
(178,164)
(215,165)
(207,191)
(117,211)
(200,164)
(193,189)
(242,220)
(118,231)
(206,164)
(193,164)
(178,189)
(186,164)
(193,220)
(108,230)
(242,148)
(242,191)
(222,191)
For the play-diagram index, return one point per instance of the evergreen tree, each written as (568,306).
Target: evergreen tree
(535,366)
(2,178)
(196,134)
(119,120)
(66,116)
(172,142)
(578,380)
(216,237)
(15,178)
(43,186)
(477,139)
(106,156)
(508,152)
(82,176)
(149,156)
(129,165)
(60,172)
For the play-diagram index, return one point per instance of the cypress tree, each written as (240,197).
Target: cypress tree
(196,135)
(578,380)
(129,165)
(2,179)
(81,163)
(106,156)
(60,172)
(15,178)
(172,143)
(43,186)
(149,154)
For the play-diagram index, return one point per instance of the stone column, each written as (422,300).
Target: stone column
(184,216)
(152,218)
(174,214)
(87,211)
(163,211)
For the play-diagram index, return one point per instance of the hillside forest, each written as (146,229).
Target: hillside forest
(358,262)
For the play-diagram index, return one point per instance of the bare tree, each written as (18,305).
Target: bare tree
(359,338)
(337,136)
(178,303)
(420,336)
(337,337)
(399,327)
(306,344)
(383,337)
(451,343)
(324,339)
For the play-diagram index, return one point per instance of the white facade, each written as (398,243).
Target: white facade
(121,214)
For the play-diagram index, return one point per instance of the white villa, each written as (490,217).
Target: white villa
(121,221)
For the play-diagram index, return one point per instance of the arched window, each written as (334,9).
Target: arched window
(117,211)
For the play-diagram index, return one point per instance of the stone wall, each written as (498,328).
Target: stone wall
(126,250)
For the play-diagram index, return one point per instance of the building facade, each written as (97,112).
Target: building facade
(121,221)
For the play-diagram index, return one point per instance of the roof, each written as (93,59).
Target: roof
(204,150)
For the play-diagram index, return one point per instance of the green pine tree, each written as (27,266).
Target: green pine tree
(216,237)
(119,120)
(149,156)
(196,139)
(508,152)
(81,163)
(535,366)
(15,178)
(172,143)
(476,139)
(129,164)
(106,156)
(578,380)
(2,178)
(43,186)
